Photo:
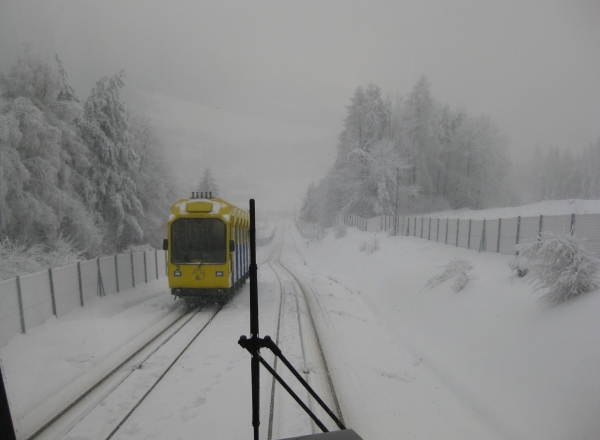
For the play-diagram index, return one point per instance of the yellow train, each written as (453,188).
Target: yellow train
(208,249)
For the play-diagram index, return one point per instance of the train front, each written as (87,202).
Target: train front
(199,265)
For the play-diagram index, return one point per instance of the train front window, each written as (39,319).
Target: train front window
(198,240)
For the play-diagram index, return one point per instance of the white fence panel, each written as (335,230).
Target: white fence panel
(151,265)
(109,278)
(37,300)
(89,279)
(125,274)
(444,228)
(10,315)
(463,233)
(491,235)
(475,242)
(374,224)
(508,235)
(587,228)
(529,229)
(162,264)
(559,224)
(436,229)
(452,231)
(138,268)
(66,289)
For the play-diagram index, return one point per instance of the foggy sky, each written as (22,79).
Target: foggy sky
(257,90)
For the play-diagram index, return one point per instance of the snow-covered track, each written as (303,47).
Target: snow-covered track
(298,338)
(102,410)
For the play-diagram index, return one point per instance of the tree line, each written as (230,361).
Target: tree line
(553,174)
(89,174)
(413,154)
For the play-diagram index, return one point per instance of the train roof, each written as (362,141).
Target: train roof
(212,207)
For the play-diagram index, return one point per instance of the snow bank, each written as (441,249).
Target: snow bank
(548,207)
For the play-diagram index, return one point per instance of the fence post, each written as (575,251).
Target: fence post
(80,282)
(437,234)
(415,227)
(457,230)
(572,223)
(541,223)
(518,229)
(145,268)
(469,237)
(482,246)
(499,229)
(422,223)
(156,261)
(101,291)
(132,270)
(446,241)
(117,273)
(52,292)
(429,232)
(21,310)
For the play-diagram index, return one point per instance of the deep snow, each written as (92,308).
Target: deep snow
(486,362)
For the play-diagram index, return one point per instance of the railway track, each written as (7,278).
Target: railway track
(102,409)
(298,338)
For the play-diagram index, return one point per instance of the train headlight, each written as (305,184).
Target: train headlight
(219,273)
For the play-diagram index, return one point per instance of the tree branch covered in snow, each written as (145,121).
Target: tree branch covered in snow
(560,265)
(86,173)
(458,269)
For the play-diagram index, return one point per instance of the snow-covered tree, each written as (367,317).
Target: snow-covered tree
(156,187)
(308,212)
(104,127)
(208,184)
(44,160)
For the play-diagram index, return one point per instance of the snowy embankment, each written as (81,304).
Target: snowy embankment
(54,363)
(548,207)
(486,362)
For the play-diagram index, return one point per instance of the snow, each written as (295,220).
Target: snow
(548,207)
(486,362)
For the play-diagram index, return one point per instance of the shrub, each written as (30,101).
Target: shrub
(370,246)
(458,269)
(560,264)
(340,230)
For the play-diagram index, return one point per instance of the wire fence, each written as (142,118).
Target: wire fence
(30,300)
(490,235)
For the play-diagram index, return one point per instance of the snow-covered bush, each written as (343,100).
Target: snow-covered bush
(560,264)
(16,259)
(458,269)
(340,230)
(519,265)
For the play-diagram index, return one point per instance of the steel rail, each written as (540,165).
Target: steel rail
(107,376)
(295,284)
(147,393)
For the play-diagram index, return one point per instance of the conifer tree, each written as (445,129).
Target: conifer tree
(208,184)
(104,127)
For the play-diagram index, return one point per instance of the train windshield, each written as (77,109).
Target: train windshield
(198,240)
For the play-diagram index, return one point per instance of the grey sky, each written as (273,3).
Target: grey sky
(257,90)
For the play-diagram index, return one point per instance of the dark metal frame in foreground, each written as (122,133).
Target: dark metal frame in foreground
(255,343)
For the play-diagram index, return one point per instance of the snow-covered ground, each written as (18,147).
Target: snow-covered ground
(548,207)
(486,362)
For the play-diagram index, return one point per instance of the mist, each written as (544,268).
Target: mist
(258,91)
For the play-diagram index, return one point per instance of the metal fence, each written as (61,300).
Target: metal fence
(30,300)
(489,235)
